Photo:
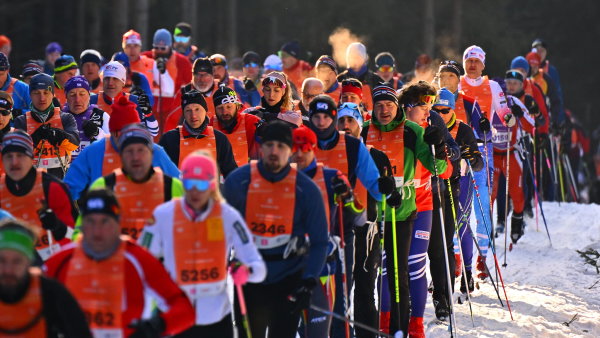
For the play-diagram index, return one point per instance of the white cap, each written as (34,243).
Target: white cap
(273,62)
(474,52)
(356,51)
(115,69)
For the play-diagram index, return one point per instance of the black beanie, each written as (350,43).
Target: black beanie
(224,95)
(202,65)
(193,96)
(513,74)
(250,57)
(101,201)
(323,104)
(277,130)
(384,92)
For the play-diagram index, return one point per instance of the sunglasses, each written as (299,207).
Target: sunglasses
(386,69)
(251,64)
(5,112)
(442,111)
(182,39)
(200,185)
(161,48)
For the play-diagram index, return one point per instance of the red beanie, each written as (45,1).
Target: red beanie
(123,113)
(304,139)
(533,58)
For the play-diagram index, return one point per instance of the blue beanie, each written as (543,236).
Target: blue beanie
(41,81)
(122,58)
(77,82)
(520,62)
(162,37)
(445,98)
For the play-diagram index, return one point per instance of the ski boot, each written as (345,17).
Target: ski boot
(442,310)
(415,327)
(463,287)
(516,227)
(481,270)
(458,266)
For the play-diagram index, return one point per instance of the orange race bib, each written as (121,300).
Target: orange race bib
(270,208)
(200,252)
(336,157)
(25,319)
(392,144)
(482,94)
(98,286)
(191,144)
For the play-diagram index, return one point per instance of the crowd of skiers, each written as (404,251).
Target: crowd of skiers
(164,184)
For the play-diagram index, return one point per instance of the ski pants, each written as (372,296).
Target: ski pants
(338,328)
(482,178)
(514,179)
(417,259)
(437,259)
(315,323)
(463,218)
(268,307)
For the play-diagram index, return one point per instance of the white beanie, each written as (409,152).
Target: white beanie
(474,52)
(115,69)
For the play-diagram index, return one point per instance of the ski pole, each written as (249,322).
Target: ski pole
(342,248)
(498,272)
(240,294)
(567,161)
(452,327)
(381,241)
(355,323)
(506,195)
(396,280)
(462,257)
(560,172)
(535,176)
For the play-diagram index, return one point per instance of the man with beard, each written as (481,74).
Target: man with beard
(240,128)
(282,207)
(32,305)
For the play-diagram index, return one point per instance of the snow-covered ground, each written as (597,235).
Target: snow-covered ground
(546,286)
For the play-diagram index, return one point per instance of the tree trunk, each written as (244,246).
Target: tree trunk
(119,15)
(429,28)
(140,22)
(80,8)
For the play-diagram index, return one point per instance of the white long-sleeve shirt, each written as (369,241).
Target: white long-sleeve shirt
(158,239)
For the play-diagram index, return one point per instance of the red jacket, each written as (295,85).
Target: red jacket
(142,273)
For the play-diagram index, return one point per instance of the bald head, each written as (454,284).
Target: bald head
(311,87)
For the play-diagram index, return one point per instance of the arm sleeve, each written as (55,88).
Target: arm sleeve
(498,98)
(241,239)
(21,123)
(79,174)
(105,128)
(475,116)
(224,154)
(59,200)
(145,85)
(367,172)
(150,237)
(556,108)
(21,97)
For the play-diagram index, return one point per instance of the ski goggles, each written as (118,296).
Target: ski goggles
(200,185)
(251,65)
(5,112)
(352,110)
(386,69)
(182,39)
(423,101)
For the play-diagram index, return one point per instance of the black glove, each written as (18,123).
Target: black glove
(433,135)
(144,106)
(395,199)
(161,65)
(57,136)
(42,133)
(300,297)
(484,125)
(249,85)
(440,151)
(148,328)
(49,219)
(90,129)
(517,110)
(387,184)
(467,153)
(341,186)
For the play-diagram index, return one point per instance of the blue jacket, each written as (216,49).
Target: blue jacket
(20,94)
(309,218)
(250,97)
(87,167)
(360,163)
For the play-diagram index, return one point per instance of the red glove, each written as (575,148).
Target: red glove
(239,274)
